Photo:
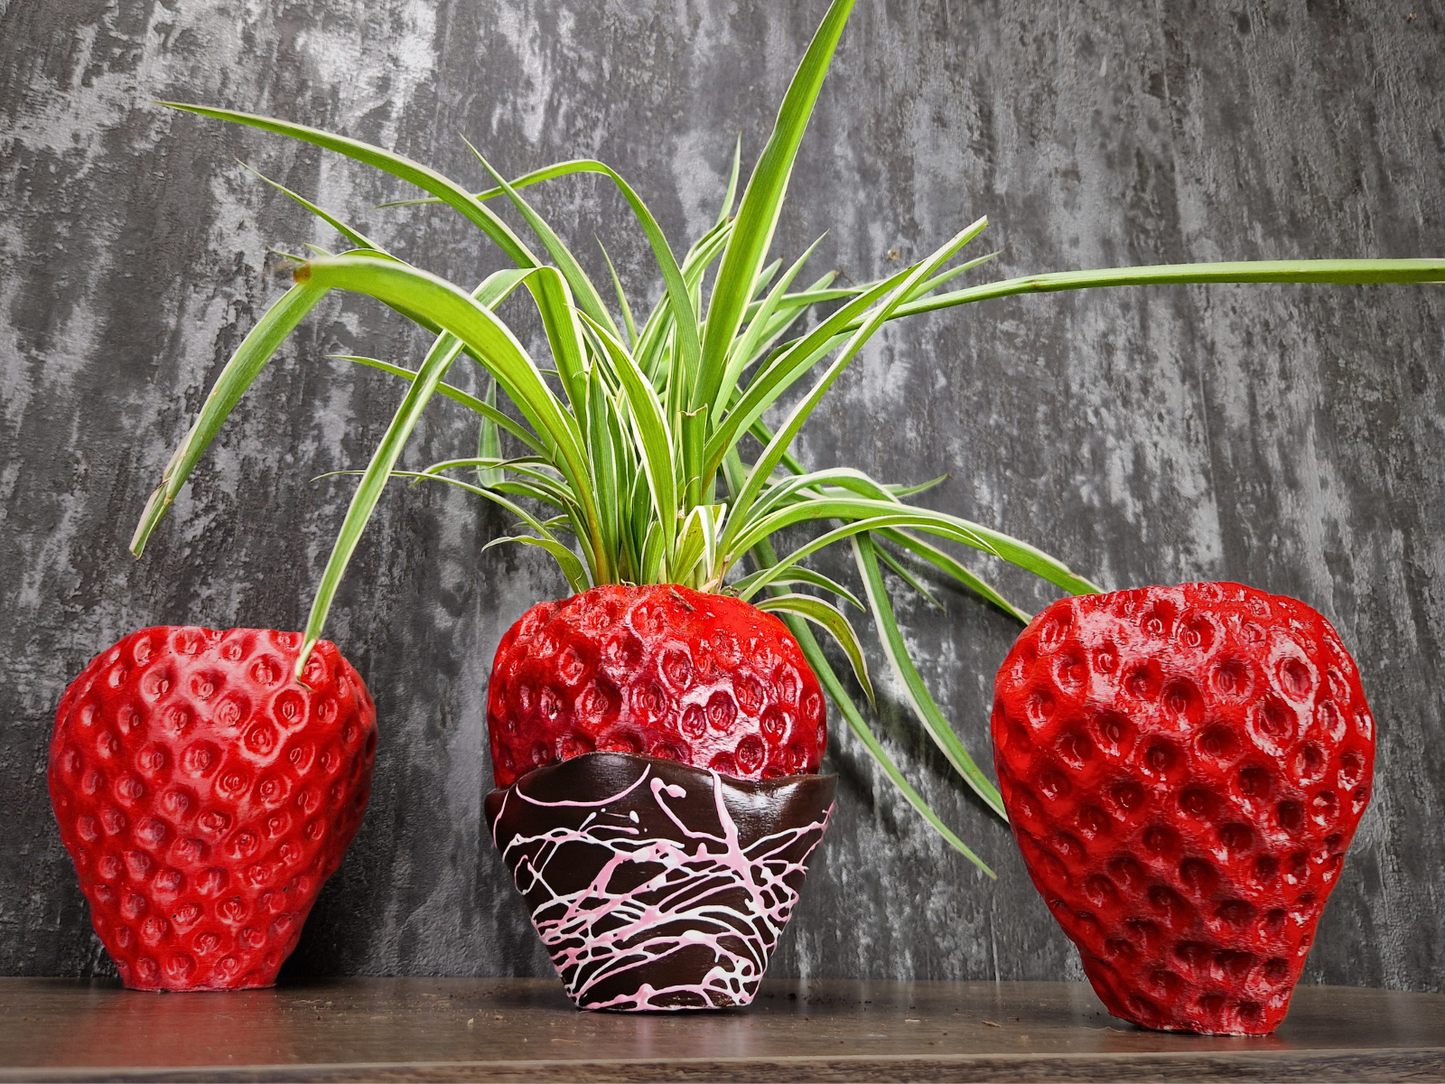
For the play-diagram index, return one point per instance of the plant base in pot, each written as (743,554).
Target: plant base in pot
(656,885)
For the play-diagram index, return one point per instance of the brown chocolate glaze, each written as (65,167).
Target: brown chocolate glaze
(653,884)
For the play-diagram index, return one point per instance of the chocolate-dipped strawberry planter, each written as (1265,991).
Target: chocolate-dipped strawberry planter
(656,881)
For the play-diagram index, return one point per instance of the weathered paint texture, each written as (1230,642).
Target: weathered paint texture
(1292,438)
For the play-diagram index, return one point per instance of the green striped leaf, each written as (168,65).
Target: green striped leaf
(827,616)
(919,699)
(762,200)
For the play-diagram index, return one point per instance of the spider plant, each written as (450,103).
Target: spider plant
(658,451)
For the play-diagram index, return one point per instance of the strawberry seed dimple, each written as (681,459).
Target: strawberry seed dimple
(1126,798)
(775,724)
(1181,698)
(1074,749)
(1290,816)
(266,671)
(151,831)
(1070,671)
(750,754)
(1198,633)
(650,702)
(1127,873)
(261,738)
(1054,630)
(1112,732)
(1100,890)
(1236,913)
(1144,682)
(812,710)
(289,709)
(138,866)
(1194,956)
(1232,678)
(190,851)
(232,710)
(1255,783)
(1054,786)
(694,721)
(677,668)
(151,760)
(1233,966)
(1365,724)
(749,694)
(1310,763)
(789,684)
(129,789)
(1331,721)
(1168,904)
(1160,758)
(1040,708)
(1295,679)
(571,666)
(1237,837)
(1324,808)
(1219,743)
(1161,841)
(1199,802)
(1352,769)
(721,711)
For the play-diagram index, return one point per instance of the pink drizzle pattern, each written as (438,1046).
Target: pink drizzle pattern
(655,897)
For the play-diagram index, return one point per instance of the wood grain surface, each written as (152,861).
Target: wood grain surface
(525,1029)
(1289,437)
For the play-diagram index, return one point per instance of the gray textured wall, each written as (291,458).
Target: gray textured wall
(1293,438)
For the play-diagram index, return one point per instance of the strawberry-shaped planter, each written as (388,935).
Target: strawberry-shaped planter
(206,795)
(1184,768)
(662,881)
(656,885)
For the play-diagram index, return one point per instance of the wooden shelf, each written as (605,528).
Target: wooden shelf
(524,1029)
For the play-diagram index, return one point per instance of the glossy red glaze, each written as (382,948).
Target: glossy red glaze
(660,670)
(1184,768)
(205,796)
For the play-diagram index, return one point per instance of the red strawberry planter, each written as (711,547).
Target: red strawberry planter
(1184,769)
(656,885)
(205,796)
(663,881)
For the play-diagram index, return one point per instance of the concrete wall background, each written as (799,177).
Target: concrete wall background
(1290,437)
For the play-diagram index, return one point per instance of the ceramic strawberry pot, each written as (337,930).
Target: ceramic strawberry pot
(205,796)
(656,885)
(1184,768)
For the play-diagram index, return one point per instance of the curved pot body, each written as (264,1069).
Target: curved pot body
(205,796)
(655,885)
